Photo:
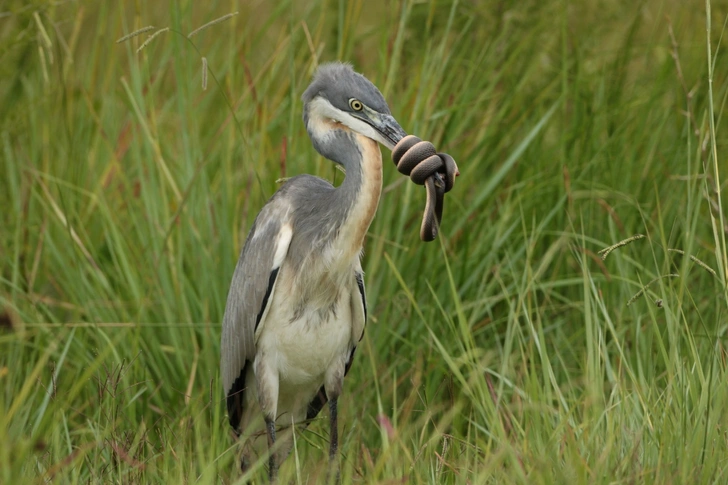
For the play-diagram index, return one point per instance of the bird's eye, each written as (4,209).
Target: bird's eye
(355,104)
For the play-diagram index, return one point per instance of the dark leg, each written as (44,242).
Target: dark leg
(333,441)
(334,433)
(272,465)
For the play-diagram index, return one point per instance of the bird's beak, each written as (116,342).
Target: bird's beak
(390,130)
(386,126)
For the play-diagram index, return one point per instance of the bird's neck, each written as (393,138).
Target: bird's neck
(360,192)
(355,201)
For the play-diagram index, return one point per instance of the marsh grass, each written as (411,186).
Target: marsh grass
(503,353)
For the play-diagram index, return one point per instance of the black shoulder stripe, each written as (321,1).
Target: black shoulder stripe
(360,284)
(271,282)
(349,362)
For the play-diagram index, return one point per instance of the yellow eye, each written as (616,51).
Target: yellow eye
(355,104)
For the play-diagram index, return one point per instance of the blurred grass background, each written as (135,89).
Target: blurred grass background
(504,353)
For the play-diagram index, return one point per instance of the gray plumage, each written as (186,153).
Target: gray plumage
(296,308)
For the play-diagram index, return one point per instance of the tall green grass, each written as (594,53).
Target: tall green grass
(505,352)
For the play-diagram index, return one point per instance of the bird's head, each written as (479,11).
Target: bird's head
(340,101)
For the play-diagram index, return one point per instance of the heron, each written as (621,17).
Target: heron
(296,307)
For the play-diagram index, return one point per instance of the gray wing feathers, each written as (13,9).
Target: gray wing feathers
(247,291)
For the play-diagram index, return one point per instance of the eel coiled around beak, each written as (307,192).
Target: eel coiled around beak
(436,171)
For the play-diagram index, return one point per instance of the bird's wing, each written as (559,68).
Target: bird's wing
(251,292)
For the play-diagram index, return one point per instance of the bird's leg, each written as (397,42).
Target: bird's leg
(267,379)
(333,383)
(272,465)
(333,440)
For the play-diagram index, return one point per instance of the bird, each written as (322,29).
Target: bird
(296,308)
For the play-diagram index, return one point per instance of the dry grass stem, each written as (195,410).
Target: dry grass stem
(211,23)
(43,33)
(135,33)
(696,261)
(605,252)
(642,291)
(204,73)
(151,38)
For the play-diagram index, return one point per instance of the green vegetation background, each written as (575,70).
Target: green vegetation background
(504,353)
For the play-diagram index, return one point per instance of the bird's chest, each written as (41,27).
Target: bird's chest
(309,333)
